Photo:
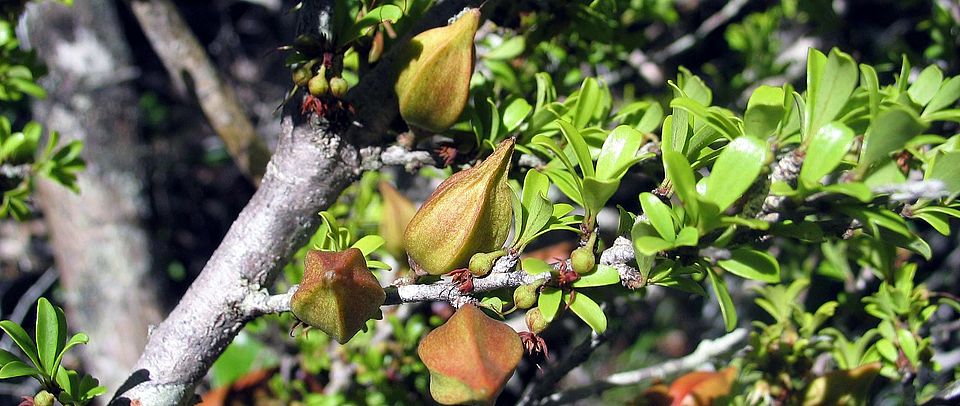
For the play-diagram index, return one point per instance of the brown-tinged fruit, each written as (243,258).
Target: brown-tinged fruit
(397,212)
(536,323)
(470,357)
(433,85)
(338,293)
(470,212)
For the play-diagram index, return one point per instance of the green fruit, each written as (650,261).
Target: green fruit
(301,75)
(338,294)
(470,357)
(433,85)
(43,398)
(339,87)
(583,260)
(482,263)
(318,85)
(470,212)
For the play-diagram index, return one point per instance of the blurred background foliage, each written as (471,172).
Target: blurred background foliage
(634,47)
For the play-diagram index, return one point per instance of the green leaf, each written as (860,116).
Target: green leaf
(764,111)
(374,264)
(566,182)
(687,237)
(650,245)
(735,170)
(546,93)
(868,79)
(508,49)
(948,94)
(22,340)
(683,284)
(681,175)
(659,215)
(825,151)
(604,275)
(368,244)
(830,81)
(588,101)
(888,133)
(945,168)
(589,311)
(386,12)
(516,112)
(597,192)
(48,335)
(16,369)
(857,191)
(908,343)
(580,148)
(923,89)
(618,152)
(549,302)
(535,266)
(723,296)
(752,264)
(711,116)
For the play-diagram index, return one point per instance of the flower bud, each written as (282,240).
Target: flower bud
(338,293)
(339,87)
(470,357)
(481,263)
(470,212)
(435,68)
(535,320)
(525,296)
(318,85)
(583,260)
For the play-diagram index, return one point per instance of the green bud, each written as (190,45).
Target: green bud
(525,296)
(535,321)
(318,85)
(583,260)
(470,212)
(339,87)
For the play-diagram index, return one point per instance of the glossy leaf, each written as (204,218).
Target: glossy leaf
(752,264)
(597,192)
(764,111)
(16,369)
(22,340)
(588,101)
(48,335)
(589,311)
(580,148)
(888,133)
(618,152)
(727,308)
(825,151)
(681,175)
(515,113)
(602,276)
(508,49)
(659,215)
(946,168)
(948,93)
(923,89)
(868,79)
(735,170)
(830,81)
(549,302)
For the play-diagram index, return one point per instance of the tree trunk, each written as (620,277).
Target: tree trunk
(101,249)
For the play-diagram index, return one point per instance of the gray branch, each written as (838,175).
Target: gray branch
(707,350)
(410,160)
(309,170)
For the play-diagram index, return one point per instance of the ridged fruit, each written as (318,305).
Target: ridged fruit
(433,84)
(470,357)
(470,212)
(338,294)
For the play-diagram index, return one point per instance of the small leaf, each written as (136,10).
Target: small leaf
(618,151)
(602,276)
(16,369)
(22,340)
(687,237)
(48,335)
(949,93)
(945,168)
(516,112)
(868,79)
(888,133)
(681,175)
(597,192)
(764,111)
(649,245)
(723,296)
(534,266)
(368,244)
(752,264)
(659,215)
(830,81)
(580,148)
(923,89)
(735,170)
(588,101)
(508,49)
(589,311)
(825,151)
(549,302)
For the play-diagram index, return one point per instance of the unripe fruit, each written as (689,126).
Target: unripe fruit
(43,398)
(481,263)
(318,85)
(339,87)
(470,212)
(301,75)
(525,296)
(470,357)
(433,85)
(583,260)
(535,321)
(338,293)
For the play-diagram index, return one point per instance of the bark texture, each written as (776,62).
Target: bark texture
(101,249)
(309,170)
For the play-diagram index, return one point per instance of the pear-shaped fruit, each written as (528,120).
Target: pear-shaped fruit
(583,260)
(535,320)
(470,357)
(482,263)
(318,85)
(435,68)
(470,212)
(338,293)
(339,87)
(397,212)
(525,296)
